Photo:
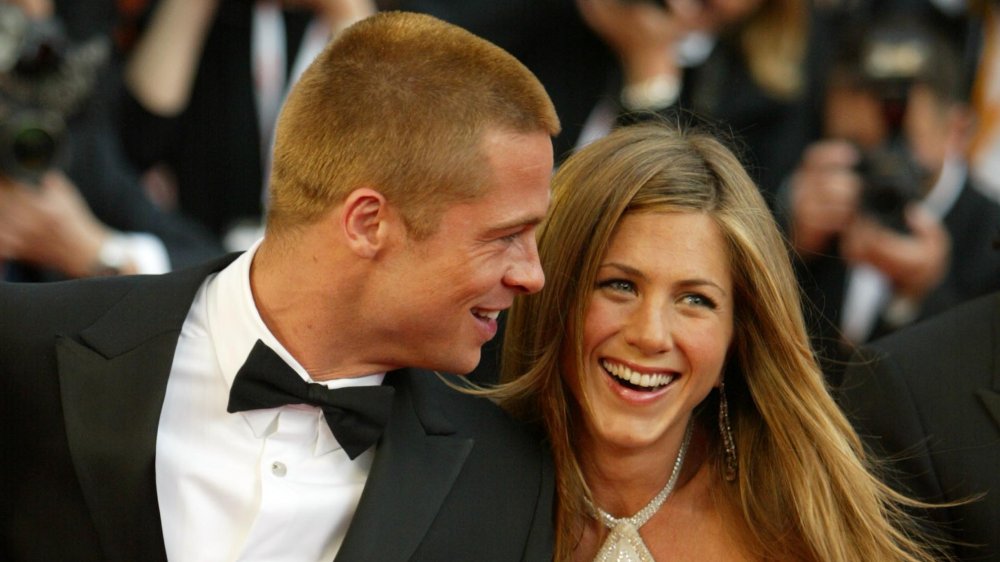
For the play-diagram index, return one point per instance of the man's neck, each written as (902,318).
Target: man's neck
(310,308)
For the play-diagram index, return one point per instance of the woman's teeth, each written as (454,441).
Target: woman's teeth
(643,380)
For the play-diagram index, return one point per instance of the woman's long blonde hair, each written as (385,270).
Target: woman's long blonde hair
(774,42)
(804,490)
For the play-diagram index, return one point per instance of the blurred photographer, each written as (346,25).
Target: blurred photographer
(69,204)
(752,67)
(883,215)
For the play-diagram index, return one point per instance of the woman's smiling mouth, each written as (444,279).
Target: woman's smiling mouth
(631,379)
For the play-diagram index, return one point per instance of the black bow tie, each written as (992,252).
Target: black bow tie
(356,415)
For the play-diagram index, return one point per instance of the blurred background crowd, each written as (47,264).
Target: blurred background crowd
(136,134)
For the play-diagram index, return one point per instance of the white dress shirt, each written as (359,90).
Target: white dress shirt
(266,485)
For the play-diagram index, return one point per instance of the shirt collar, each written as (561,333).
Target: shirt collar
(235,325)
(942,196)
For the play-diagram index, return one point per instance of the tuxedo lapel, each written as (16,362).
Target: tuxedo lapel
(112,408)
(417,461)
(112,379)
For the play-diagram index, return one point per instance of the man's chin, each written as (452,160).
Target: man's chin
(460,368)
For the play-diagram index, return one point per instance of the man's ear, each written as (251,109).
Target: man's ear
(365,220)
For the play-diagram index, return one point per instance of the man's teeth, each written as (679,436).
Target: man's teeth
(639,379)
(487,315)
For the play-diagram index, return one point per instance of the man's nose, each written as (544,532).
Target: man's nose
(526,274)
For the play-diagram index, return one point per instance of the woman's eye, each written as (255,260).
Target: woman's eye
(619,285)
(699,300)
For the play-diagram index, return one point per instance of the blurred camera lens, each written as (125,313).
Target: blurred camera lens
(34,148)
(891,181)
(29,143)
(44,79)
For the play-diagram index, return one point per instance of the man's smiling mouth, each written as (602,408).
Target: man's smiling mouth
(485,314)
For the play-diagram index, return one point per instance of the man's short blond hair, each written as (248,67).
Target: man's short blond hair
(399,102)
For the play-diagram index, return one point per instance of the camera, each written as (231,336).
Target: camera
(891,60)
(891,180)
(44,79)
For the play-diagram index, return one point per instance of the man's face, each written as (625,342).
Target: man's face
(442,294)
(856,115)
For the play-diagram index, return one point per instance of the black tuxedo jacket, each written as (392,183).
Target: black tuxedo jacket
(928,397)
(83,371)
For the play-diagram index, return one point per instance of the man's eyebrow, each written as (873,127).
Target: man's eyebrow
(517,223)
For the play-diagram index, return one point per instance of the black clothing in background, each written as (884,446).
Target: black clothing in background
(928,399)
(213,146)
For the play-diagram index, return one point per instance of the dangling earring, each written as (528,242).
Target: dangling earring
(727,434)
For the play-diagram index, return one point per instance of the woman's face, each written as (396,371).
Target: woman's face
(656,331)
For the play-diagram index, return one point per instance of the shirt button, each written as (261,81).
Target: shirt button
(279,469)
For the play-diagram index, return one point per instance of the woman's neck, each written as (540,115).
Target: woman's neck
(623,481)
